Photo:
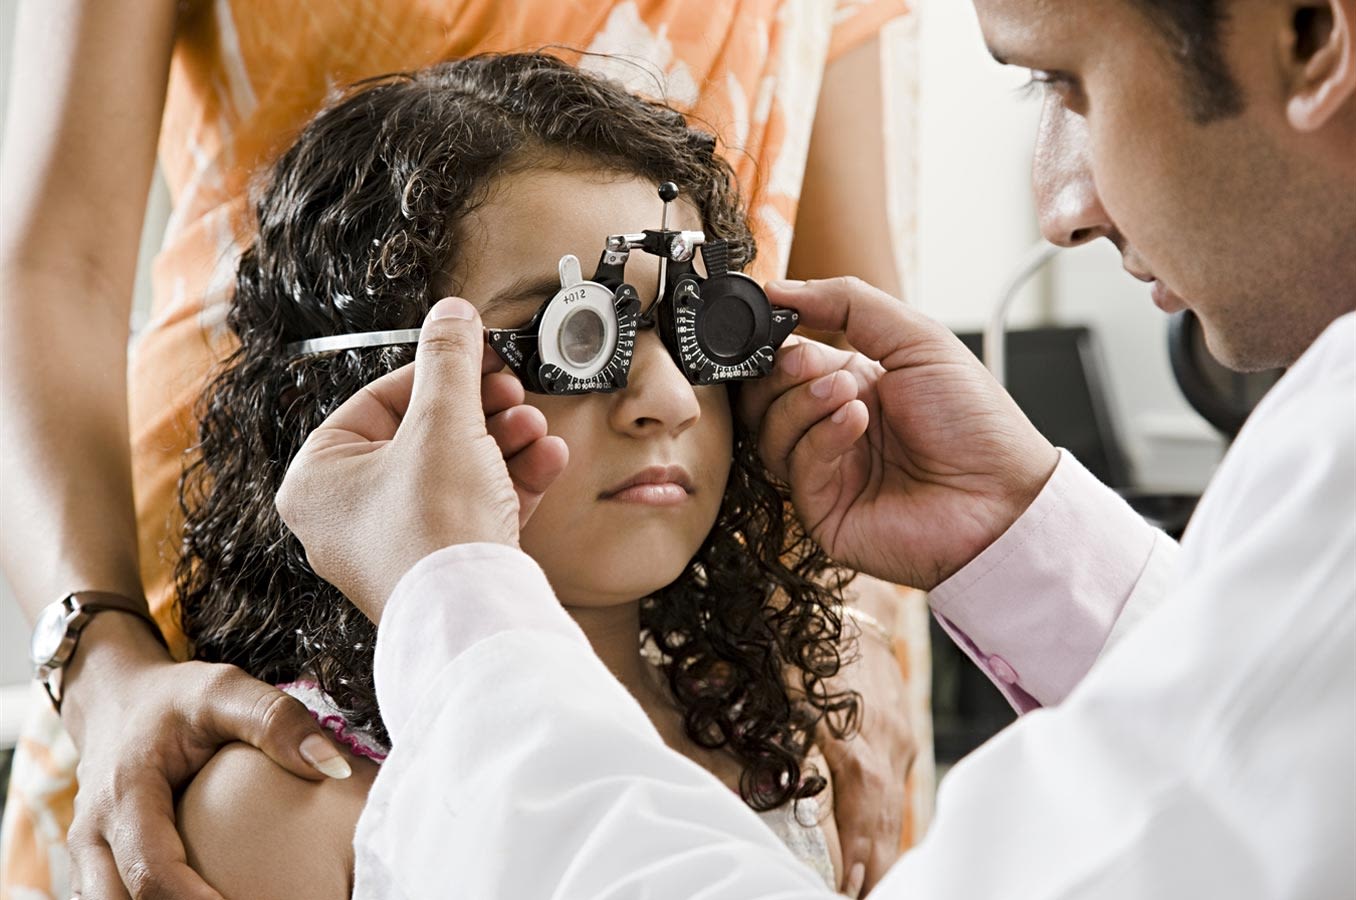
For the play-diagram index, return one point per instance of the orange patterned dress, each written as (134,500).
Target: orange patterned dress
(247,74)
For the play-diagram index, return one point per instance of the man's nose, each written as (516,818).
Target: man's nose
(657,399)
(1067,203)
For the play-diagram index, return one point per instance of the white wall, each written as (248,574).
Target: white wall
(976,218)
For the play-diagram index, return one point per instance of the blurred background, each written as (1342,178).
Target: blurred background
(1093,369)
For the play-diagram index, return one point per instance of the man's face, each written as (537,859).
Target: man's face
(1245,219)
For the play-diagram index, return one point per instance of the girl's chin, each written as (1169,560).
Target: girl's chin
(588,590)
(604,569)
(610,596)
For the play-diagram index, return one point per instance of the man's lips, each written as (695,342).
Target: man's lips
(1162,295)
(1165,299)
(656,485)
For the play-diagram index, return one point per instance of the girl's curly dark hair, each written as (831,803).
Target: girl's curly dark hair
(356,230)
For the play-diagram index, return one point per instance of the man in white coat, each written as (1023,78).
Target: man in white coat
(1190,726)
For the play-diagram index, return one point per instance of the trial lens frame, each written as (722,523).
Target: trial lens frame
(718,328)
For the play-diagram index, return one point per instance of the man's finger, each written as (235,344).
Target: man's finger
(538,466)
(845,768)
(150,855)
(244,709)
(873,322)
(447,369)
(375,412)
(500,391)
(885,852)
(534,470)
(858,851)
(514,429)
(798,361)
(798,410)
(828,439)
(492,362)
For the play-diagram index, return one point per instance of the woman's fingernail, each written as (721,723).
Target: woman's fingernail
(785,284)
(823,387)
(452,308)
(841,415)
(856,877)
(321,754)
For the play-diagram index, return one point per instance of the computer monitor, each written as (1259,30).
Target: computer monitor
(1057,378)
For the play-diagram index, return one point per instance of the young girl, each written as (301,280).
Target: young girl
(664,538)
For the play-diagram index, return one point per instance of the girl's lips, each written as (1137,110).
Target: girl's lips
(671,476)
(665,493)
(1165,299)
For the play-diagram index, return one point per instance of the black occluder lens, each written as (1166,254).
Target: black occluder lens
(727,327)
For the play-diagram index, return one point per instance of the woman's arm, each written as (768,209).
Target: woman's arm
(88,89)
(828,823)
(870,768)
(255,830)
(87,94)
(842,224)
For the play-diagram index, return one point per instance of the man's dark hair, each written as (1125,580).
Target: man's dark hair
(1194,30)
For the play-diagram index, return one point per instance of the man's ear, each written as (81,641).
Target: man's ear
(1320,57)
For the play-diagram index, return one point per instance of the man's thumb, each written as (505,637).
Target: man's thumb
(447,363)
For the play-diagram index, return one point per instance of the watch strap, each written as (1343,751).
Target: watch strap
(90,603)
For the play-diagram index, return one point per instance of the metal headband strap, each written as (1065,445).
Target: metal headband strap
(353,341)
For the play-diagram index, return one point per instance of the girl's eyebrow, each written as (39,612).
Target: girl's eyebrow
(538,288)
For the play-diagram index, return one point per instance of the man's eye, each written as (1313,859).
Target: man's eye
(1043,84)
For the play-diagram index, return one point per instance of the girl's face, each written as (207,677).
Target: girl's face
(600,542)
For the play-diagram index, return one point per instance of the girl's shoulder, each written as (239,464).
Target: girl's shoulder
(253,829)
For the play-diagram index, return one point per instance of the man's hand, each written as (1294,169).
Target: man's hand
(904,460)
(144,726)
(438,453)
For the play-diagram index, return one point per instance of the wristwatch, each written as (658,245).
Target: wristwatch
(57,632)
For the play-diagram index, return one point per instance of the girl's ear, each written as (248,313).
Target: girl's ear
(1319,59)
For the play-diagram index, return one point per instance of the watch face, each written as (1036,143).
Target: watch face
(48,634)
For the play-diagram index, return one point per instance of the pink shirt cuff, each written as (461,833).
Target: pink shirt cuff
(1036,607)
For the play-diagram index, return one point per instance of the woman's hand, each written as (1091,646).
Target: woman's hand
(871,768)
(144,726)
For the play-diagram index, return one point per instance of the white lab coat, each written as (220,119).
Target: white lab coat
(1211,752)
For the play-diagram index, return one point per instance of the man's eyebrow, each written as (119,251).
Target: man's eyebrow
(538,288)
